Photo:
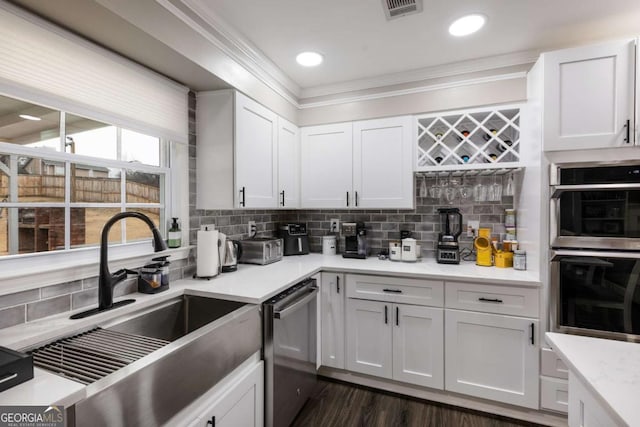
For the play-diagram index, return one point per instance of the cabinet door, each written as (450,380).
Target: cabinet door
(332,291)
(256,154)
(588,97)
(288,164)
(382,163)
(492,356)
(326,165)
(418,356)
(241,405)
(369,337)
(585,409)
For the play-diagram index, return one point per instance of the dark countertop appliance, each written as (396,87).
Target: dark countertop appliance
(448,251)
(295,238)
(355,240)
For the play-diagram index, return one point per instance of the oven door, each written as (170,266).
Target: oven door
(596,294)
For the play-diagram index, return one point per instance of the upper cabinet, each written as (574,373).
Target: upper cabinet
(256,151)
(363,164)
(589,97)
(480,138)
(247,156)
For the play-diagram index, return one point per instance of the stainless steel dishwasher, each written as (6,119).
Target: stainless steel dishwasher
(289,352)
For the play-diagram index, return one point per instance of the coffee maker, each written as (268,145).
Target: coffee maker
(355,240)
(448,251)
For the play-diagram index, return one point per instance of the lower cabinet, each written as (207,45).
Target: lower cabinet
(240,404)
(396,341)
(585,410)
(492,356)
(332,291)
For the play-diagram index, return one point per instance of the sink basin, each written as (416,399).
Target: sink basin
(175,318)
(165,357)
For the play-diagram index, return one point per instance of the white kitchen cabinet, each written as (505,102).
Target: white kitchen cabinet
(395,341)
(288,164)
(363,164)
(585,409)
(369,337)
(382,163)
(589,97)
(247,156)
(326,164)
(256,139)
(332,296)
(492,356)
(241,404)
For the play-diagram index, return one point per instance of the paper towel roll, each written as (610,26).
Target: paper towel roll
(207,252)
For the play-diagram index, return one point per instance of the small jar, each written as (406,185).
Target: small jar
(328,245)
(519,260)
(510,218)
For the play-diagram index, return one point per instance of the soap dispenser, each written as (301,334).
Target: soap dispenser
(175,235)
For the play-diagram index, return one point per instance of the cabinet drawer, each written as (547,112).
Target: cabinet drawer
(395,289)
(554,394)
(552,365)
(492,298)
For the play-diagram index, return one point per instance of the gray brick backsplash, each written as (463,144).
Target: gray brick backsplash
(90,282)
(61,289)
(84,298)
(48,307)
(125,287)
(12,316)
(19,298)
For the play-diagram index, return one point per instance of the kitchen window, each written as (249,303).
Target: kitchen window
(62,176)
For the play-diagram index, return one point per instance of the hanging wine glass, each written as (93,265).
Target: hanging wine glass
(435,190)
(465,190)
(508,189)
(496,189)
(423,187)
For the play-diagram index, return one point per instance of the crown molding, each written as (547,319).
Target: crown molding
(414,90)
(427,73)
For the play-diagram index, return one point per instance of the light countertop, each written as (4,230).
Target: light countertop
(609,368)
(251,284)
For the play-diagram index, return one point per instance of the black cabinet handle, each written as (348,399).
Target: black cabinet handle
(212,422)
(356,199)
(397,316)
(338,284)
(242,201)
(627,139)
(282,193)
(347,199)
(532,326)
(386,316)
(393,291)
(496,300)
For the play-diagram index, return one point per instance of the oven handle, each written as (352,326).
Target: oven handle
(287,310)
(557,190)
(556,255)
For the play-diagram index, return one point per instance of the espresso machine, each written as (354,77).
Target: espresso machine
(448,251)
(355,240)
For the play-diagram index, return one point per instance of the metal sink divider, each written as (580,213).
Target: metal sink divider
(94,354)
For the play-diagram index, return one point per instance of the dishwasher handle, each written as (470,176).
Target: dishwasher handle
(299,303)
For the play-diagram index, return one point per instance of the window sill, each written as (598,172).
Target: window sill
(21,273)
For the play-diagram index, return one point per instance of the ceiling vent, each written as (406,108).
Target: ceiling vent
(397,8)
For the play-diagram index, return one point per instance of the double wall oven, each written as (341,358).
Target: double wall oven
(595,249)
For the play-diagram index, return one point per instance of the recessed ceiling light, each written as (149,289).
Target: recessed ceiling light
(466,25)
(309,59)
(28,117)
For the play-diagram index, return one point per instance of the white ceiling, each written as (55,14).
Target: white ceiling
(362,49)
(358,42)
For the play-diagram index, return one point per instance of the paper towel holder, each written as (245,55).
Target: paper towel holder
(218,248)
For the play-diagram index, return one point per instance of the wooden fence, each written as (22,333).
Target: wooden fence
(87,189)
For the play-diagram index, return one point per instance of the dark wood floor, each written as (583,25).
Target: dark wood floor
(343,405)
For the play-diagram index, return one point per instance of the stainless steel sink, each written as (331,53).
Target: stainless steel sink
(197,342)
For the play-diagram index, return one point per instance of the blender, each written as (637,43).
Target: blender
(448,251)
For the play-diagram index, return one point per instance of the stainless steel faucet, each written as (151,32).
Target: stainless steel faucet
(107,280)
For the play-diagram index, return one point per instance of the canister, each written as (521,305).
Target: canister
(328,245)
(519,260)
(510,218)
(395,250)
